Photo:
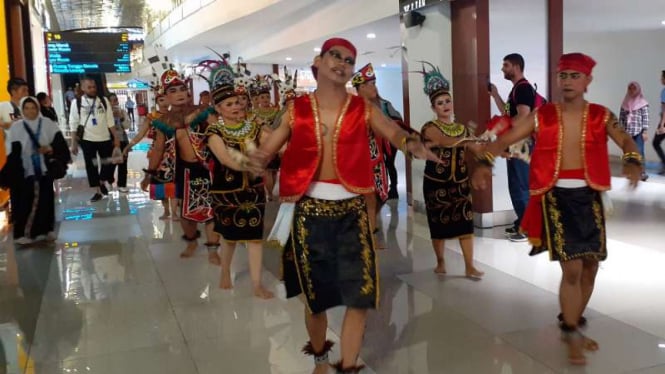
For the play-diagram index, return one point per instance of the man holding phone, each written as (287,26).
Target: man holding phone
(520,103)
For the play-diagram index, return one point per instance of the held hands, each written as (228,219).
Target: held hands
(419,150)
(127,149)
(633,172)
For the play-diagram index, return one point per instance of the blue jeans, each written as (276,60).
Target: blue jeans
(518,186)
(639,140)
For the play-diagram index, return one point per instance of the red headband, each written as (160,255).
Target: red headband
(338,42)
(335,42)
(577,62)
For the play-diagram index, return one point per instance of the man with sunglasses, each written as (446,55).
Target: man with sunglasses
(326,170)
(565,214)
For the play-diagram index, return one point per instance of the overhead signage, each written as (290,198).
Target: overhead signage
(406,6)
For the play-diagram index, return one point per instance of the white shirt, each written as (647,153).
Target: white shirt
(17,133)
(103,118)
(7,112)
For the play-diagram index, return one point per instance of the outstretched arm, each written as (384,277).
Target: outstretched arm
(223,154)
(632,159)
(389,130)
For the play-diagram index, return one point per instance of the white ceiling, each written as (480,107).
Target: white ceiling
(384,49)
(579,16)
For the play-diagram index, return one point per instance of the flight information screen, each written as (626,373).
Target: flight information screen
(84,52)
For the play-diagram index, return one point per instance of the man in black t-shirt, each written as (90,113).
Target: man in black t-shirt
(520,103)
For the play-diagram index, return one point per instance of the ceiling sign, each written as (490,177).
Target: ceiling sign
(406,6)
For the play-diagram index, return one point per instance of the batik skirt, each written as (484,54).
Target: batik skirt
(239,215)
(573,225)
(330,255)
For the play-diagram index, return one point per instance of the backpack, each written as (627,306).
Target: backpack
(78,103)
(538,99)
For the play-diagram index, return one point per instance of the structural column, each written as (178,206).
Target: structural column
(554,43)
(471,62)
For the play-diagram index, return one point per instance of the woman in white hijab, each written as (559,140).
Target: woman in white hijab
(39,155)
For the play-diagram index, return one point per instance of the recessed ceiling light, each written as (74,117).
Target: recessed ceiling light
(383,65)
(289,59)
(317,49)
(371,35)
(662,22)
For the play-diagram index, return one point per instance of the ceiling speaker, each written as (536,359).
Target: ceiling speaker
(413,19)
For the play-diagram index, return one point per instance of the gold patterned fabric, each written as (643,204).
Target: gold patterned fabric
(330,255)
(238,198)
(447,189)
(573,225)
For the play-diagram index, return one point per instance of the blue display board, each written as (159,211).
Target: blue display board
(88,52)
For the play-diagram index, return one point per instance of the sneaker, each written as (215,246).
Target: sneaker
(123,189)
(511,231)
(645,176)
(103,188)
(96,197)
(23,241)
(517,237)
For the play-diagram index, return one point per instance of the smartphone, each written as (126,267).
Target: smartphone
(489,86)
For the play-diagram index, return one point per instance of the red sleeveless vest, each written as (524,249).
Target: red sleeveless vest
(350,148)
(546,157)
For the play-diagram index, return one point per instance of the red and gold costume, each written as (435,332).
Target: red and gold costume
(303,156)
(546,223)
(328,231)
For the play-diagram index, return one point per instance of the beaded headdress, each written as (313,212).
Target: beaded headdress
(261,84)
(220,77)
(242,78)
(364,75)
(434,82)
(287,86)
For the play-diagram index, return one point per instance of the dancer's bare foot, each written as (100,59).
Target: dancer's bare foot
(213,258)
(440,267)
(474,273)
(590,344)
(321,369)
(262,293)
(575,344)
(225,281)
(165,216)
(175,218)
(189,250)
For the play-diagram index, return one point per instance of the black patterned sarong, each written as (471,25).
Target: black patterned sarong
(573,225)
(240,214)
(330,255)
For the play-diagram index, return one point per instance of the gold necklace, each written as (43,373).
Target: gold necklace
(452,130)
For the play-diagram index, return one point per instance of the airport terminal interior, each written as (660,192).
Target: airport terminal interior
(112,276)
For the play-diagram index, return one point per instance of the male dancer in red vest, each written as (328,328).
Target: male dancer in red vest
(326,169)
(569,171)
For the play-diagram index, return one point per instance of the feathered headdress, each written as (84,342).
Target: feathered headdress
(220,77)
(434,82)
(242,78)
(287,86)
(261,84)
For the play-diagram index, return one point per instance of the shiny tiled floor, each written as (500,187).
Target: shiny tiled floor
(112,296)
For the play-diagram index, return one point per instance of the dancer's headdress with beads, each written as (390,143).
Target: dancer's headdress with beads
(435,83)
(287,86)
(220,77)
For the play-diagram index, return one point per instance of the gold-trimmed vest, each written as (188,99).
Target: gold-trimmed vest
(546,156)
(303,155)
